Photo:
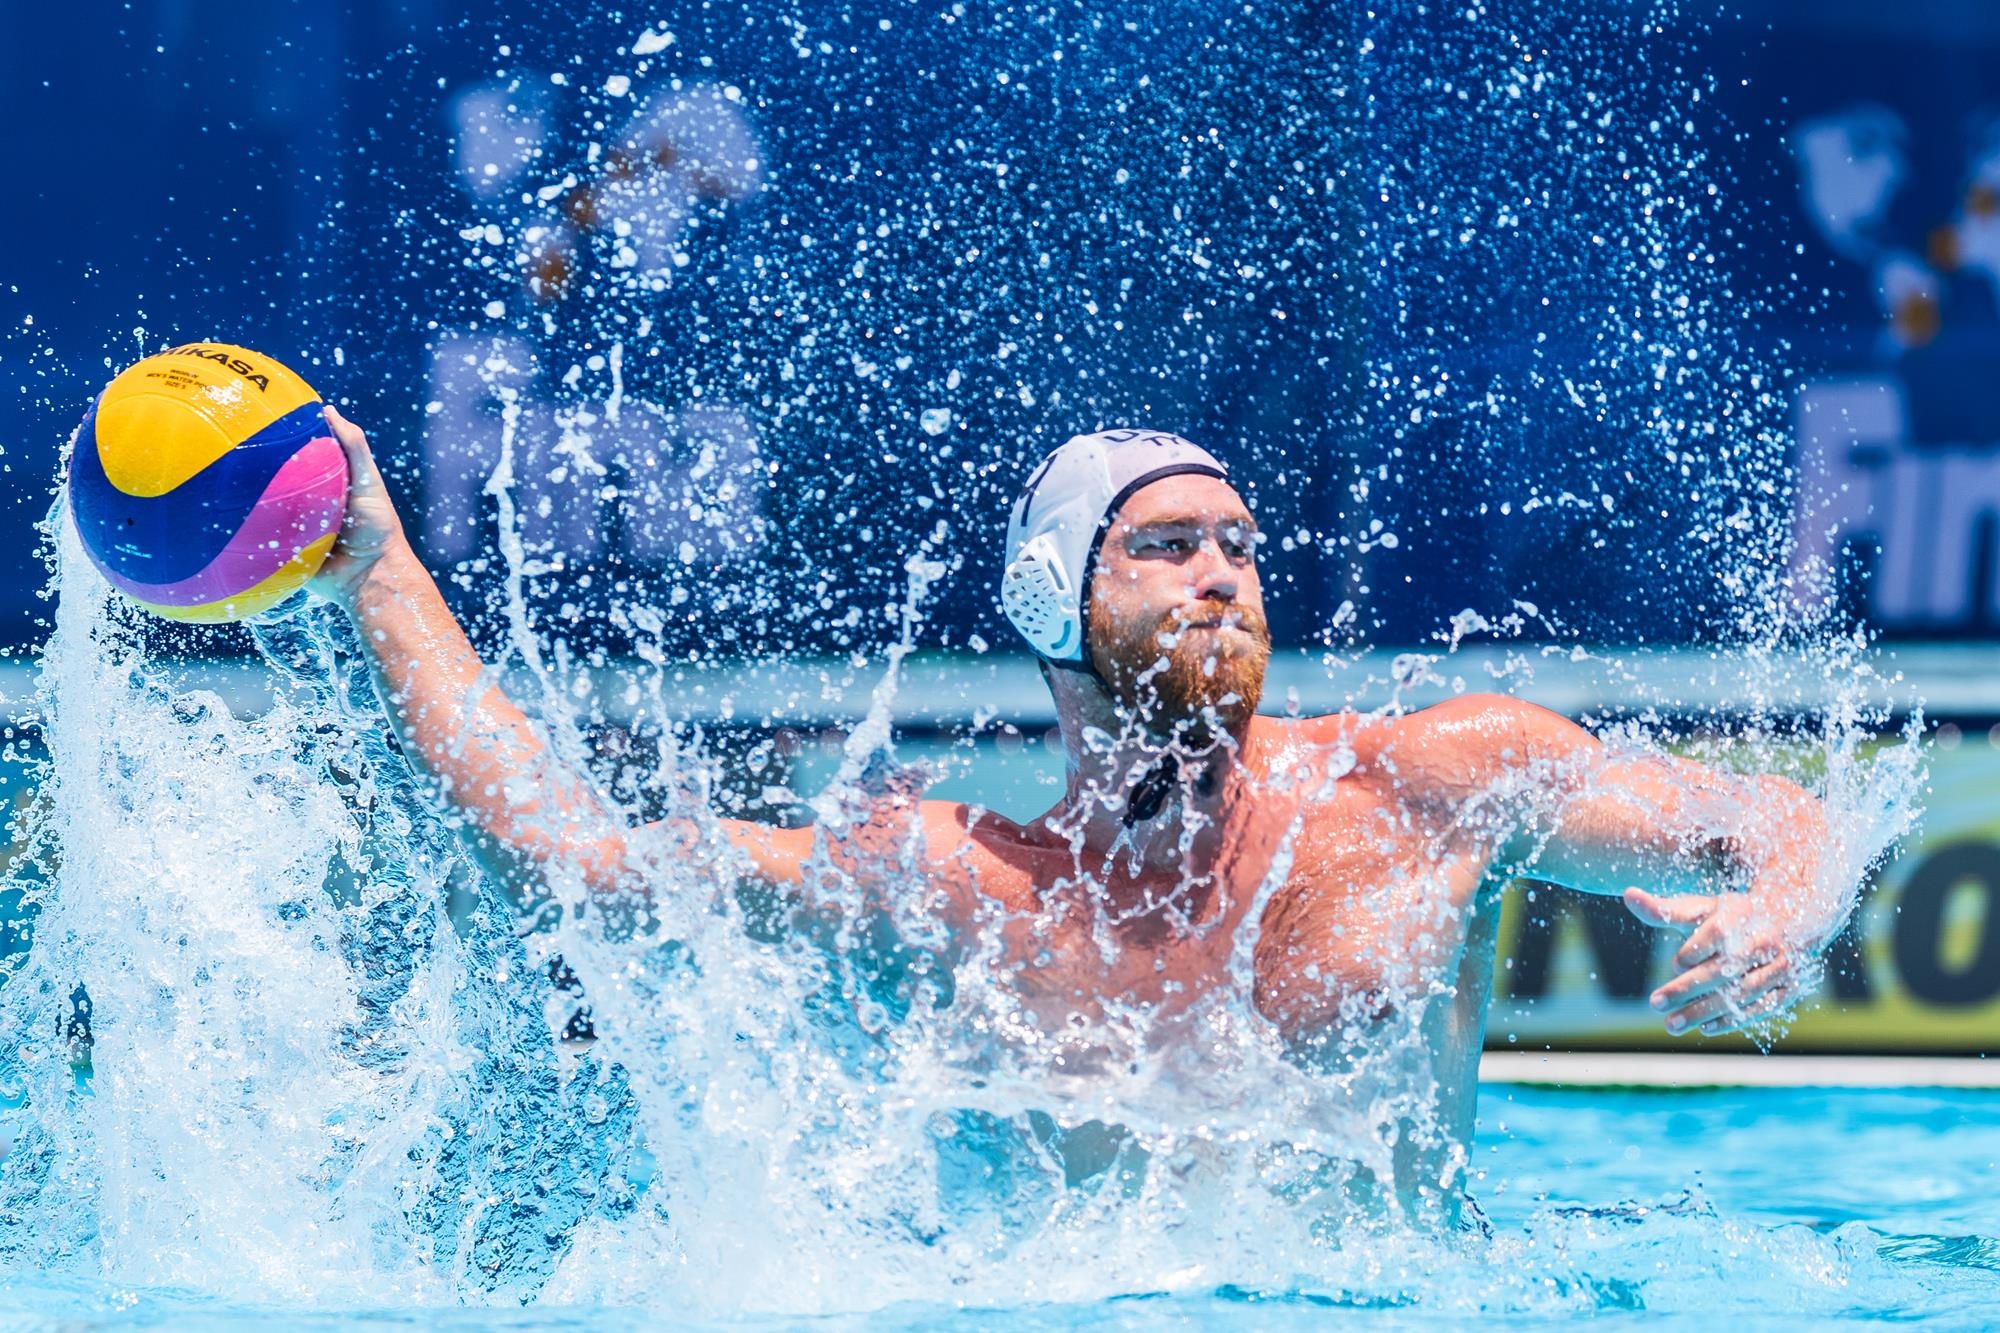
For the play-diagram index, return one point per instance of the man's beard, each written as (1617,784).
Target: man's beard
(1211,680)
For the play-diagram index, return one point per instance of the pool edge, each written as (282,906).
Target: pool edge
(1593,1069)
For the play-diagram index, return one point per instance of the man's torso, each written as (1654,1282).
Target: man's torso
(1366,892)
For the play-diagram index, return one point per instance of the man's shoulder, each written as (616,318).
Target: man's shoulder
(1462,717)
(988,856)
(1447,748)
(961,830)
(1475,716)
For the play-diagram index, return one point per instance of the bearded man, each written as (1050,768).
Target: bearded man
(1354,859)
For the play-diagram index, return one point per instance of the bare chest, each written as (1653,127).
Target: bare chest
(1343,886)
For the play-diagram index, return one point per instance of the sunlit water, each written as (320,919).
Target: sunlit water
(1805,1207)
(323,1068)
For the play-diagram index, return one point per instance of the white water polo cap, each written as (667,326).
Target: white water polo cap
(1060,520)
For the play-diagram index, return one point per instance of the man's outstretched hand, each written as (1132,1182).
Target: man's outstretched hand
(1738,965)
(1748,955)
(372,527)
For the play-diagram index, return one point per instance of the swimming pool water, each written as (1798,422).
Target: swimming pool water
(1761,1208)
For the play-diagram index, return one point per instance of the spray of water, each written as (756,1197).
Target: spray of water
(322,1061)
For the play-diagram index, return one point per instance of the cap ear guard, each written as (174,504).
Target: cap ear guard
(1038,592)
(1062,516)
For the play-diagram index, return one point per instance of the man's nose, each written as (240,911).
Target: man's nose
(1212,577)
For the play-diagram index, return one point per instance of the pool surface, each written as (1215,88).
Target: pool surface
(1760,1207)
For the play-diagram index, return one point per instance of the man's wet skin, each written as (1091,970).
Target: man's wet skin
(1372,843)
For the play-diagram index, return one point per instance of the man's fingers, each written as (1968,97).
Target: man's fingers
(1759,982)
(1681,913)
(1771,1002)
(1740,1000)
(1701,946)
(360,460)
(1690,985)
(345,431)
(1694,1014)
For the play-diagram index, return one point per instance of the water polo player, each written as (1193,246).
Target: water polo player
(1369,847)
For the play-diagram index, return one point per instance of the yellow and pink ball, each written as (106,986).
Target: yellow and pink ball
(205,483)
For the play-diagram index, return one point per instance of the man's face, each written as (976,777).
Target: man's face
(1176,613)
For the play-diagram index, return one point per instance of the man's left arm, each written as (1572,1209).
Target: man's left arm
(1732,862)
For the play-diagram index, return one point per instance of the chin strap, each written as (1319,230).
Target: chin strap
(1083,667)
(1152,791)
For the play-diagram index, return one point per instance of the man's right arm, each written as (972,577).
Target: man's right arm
(523,810)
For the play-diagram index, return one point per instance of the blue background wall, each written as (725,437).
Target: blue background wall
(286,180)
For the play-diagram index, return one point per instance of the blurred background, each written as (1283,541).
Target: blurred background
(1522,325)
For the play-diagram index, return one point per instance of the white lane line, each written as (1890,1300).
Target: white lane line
(1584,1069)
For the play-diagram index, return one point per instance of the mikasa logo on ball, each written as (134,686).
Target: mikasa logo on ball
(236,364)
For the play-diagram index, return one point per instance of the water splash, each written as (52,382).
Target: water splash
(322,1065)
(305,1057)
